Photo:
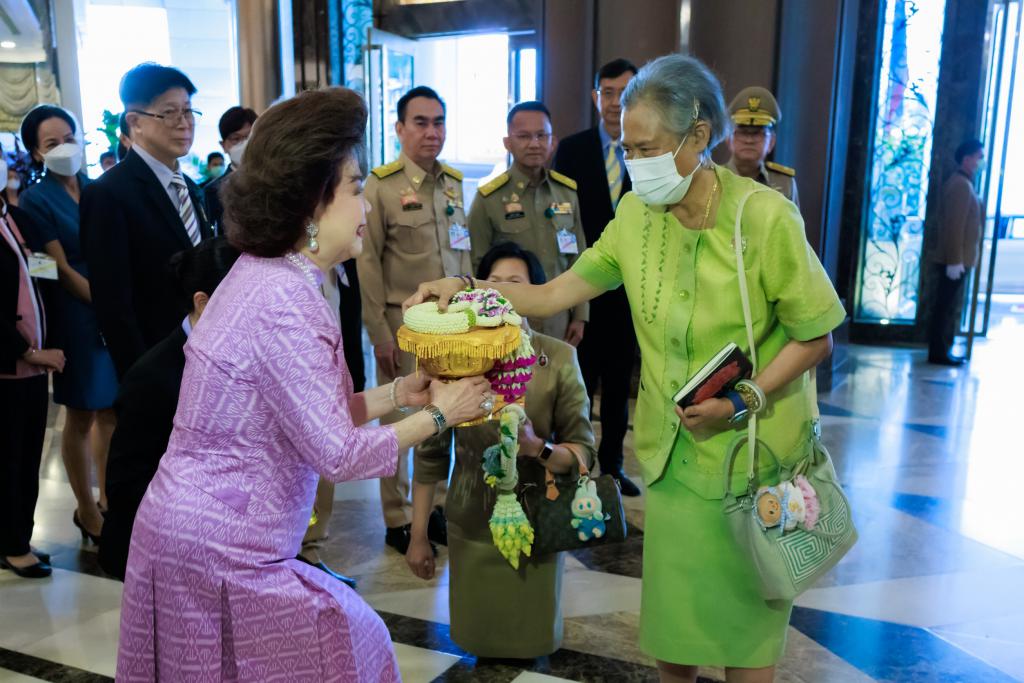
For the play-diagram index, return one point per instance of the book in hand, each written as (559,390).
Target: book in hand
(717,378)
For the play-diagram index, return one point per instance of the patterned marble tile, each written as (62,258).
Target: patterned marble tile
(418,665)
(999,641)
(7,676)
(893,652)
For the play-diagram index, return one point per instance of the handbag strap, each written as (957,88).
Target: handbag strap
(741,278)
(549,478)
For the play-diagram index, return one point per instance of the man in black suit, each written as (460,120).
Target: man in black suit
(141,212)
(594,158)
(235,125)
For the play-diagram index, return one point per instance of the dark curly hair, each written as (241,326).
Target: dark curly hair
(293,164)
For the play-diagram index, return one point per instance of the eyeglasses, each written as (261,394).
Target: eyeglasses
(527,138)
(173,117)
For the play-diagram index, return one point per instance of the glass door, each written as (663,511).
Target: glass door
(391,63)
(1004,140)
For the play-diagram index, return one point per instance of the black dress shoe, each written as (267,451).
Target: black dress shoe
(347,580)
(626,485)
(437,527)
(948,360)
(398,537)
(41,556)
(39,570)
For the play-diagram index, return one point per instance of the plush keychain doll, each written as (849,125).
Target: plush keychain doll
(588,515)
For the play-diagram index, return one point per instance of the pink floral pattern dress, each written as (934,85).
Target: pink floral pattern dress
(213,592)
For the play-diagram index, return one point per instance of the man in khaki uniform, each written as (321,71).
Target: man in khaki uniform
(535,208)
(755,113)
(415,232)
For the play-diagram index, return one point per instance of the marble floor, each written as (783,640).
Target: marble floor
(933,591)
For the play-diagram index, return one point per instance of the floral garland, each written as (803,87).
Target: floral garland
(488,306)
(511,531)
(512,373)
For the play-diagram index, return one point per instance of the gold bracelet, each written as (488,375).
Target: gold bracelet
(751,395)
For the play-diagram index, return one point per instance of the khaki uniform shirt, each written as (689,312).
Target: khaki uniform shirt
(407,238)
(776,176)
(512,209)
(960,218)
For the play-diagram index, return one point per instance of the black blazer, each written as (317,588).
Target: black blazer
(352,326)
(129,230)
(580,157)
(214,207)
(12,345)
(145,407)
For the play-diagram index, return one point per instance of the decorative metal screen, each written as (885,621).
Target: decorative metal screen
(890,258)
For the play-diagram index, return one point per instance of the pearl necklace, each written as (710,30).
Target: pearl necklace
(303,266)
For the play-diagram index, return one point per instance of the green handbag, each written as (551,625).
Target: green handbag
(786,562)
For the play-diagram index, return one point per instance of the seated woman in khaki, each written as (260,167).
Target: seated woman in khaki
(497,611)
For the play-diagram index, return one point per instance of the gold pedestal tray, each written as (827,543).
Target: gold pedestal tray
(454,356)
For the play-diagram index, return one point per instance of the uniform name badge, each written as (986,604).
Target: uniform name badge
(458,237)
(42,266)
(567,243)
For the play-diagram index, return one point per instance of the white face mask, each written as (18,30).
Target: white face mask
(236,152)
(64,159)
(656,180)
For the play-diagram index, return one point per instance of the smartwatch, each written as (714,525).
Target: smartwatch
(546,452)
(739,406)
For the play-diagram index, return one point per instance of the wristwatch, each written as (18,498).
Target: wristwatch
(439,421)
(546,452)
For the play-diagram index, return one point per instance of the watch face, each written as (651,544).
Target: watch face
(545,452)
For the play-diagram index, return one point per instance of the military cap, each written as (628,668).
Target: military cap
(754,106)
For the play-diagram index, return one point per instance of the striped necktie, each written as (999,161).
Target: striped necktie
(185,209)
(614,171)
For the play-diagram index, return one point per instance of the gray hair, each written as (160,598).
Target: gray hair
(682,90)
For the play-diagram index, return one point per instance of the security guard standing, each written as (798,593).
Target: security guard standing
(535,208)
(755,113)
(415,232)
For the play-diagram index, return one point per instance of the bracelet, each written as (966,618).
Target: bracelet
(752,395)
(393,392)
(439,422)
(28,354)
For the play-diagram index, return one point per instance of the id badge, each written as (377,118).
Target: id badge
(42,266)
(458,237)
(567,243)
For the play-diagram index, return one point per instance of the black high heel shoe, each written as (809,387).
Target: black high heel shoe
(85,532)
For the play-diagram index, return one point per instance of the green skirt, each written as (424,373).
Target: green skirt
(497,611)
(699,602)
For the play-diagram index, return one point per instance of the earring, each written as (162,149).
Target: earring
(312,230)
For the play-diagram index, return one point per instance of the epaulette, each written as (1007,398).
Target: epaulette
(779,168)
(494,184)
(563,179)
(453,172)
(388,169)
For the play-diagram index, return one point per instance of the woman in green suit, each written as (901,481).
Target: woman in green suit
(497,611)
(671,246)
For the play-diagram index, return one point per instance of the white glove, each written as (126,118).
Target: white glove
(955,271)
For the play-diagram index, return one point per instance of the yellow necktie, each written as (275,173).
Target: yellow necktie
(614,172)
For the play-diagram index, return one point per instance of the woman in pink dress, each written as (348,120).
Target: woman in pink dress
(213,591)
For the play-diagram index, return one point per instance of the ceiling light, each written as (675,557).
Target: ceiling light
(8,44)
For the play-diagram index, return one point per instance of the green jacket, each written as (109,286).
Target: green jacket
(684,298)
